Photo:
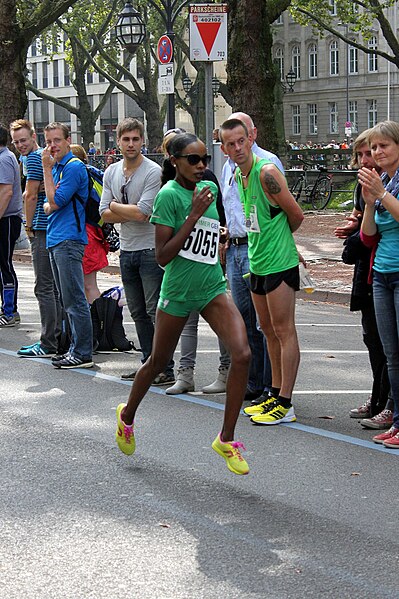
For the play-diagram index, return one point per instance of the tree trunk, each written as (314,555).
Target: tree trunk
(86,116)
(251,76)
(148,101)
(150,106)
(13,100)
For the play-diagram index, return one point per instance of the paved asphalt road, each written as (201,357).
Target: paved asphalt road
(314,518)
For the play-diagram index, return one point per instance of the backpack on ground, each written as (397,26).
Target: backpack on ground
(107,320)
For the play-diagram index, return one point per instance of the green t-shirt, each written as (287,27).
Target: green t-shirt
(190,277)
(271,245)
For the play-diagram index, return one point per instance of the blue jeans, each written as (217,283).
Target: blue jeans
(386,305)
(66,262)
(237,265)
(142,278)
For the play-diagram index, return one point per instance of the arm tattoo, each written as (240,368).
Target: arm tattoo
(271,184)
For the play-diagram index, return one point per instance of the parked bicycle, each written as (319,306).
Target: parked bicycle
(318,193)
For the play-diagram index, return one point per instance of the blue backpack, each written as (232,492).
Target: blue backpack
(92,212)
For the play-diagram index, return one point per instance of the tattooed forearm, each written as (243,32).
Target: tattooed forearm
(271,184)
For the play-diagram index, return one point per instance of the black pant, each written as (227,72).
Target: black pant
(378,361)
(10,229)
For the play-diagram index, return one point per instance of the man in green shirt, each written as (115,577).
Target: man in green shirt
(271,216)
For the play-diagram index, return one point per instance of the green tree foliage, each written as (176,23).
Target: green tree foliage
(91,47)
(20,23)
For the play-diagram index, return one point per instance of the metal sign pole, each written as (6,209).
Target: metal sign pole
(209,110)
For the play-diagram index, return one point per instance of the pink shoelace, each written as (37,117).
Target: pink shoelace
(128,432)
(238,445)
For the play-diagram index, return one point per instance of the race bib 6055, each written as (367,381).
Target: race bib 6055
(203,242)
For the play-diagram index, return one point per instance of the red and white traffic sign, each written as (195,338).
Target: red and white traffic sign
(165,49)
(208,32)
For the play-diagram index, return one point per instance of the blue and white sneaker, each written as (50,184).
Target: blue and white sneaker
(35,351)
(70,361)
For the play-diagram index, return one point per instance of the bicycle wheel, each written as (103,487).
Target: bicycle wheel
(296,189)
(321,193)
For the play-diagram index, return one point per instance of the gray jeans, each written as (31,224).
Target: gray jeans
(189,341)
(46,292)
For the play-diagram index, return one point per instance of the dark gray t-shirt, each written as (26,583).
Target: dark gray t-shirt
(10,175)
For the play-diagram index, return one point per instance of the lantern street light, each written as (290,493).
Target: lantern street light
(187,84)
(215,86)
(291,79)
(130,30)
(130,23)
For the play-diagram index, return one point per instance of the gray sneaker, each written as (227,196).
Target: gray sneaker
(362,411)
(381,421)
(7,321)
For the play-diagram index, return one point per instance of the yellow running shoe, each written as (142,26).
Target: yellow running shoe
(124,433)
(230,451)
(260,407)
(275,415)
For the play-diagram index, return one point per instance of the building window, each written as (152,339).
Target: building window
(312,54)
(312,114)
(296,119)
(34,74)
(333,7)
(56,76)
(296,61)
(44,47)
(353,60)
(61,114)
(67,79)
(333,110)
(64,41)
(279,61)
(372,58)
(101,79)
(334,58)
(371,113)
(353,115)
(40,113)
(33,48)
(89,77)
(45,74)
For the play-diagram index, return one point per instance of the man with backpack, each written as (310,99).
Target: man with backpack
(67,188)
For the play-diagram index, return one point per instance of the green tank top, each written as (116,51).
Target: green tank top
(271,245)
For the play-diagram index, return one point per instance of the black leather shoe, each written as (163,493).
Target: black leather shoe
(251,395)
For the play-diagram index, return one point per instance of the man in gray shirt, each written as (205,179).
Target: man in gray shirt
(129,190)
(10,228)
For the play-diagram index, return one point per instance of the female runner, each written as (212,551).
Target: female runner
(186,240)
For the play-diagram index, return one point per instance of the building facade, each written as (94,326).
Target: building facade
(50,74)
(339,89)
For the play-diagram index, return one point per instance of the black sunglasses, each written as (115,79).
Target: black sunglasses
(194,159)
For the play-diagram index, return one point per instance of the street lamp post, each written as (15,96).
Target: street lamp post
(130,22)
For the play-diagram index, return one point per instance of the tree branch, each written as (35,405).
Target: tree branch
(40,94)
